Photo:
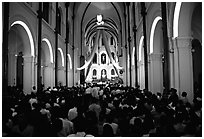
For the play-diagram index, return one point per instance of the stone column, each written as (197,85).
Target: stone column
(12,69)
(52,74)
(48,77)
(156,83)
(143,12)
(61,75)
(171,63)
(184,67)
(28,73)
(141,74)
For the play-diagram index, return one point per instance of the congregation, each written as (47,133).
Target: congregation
(101,111)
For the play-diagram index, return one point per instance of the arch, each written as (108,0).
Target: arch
(29,35)
(140,48)
(156,20)
(111,40)
(70,61)
(112,72)
(62,55)
(94,72)
(103,73)
(50,48)
(176,19)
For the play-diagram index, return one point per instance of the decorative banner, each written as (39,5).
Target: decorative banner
(93,52)
(109,51)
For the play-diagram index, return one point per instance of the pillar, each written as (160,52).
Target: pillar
(135,43)
(183,66)
(67,41)
(156,83)
(166,47)
(28,72)
(129,44)
(143,12)
(5,48)
(39,46)
(56,46)
(171,63)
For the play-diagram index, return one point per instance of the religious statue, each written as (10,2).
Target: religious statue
(103,73)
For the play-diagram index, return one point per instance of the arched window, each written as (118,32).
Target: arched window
(58,27)
(103,73)
(95,59)
(103,58)
(102,41)
(94,72)
(111,40)
(46,11)
(112,72)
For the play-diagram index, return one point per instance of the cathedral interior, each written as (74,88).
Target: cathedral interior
(69,47)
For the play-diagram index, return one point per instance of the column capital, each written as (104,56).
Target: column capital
(50,65)
(184,38)
(61,68)
(183,42)
(28,59)
(155,56)
(140,63)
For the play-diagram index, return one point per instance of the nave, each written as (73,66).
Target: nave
(143,59)
(99,111)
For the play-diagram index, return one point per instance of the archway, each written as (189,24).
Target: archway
(20,42)
(156,55)
(103,74)
(94,74)
(46,63)
(184,79)
(61,71)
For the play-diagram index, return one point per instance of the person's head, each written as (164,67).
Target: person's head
(184,94)
(107,131)
(138,122)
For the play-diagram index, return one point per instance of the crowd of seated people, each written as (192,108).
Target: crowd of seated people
(101,112)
